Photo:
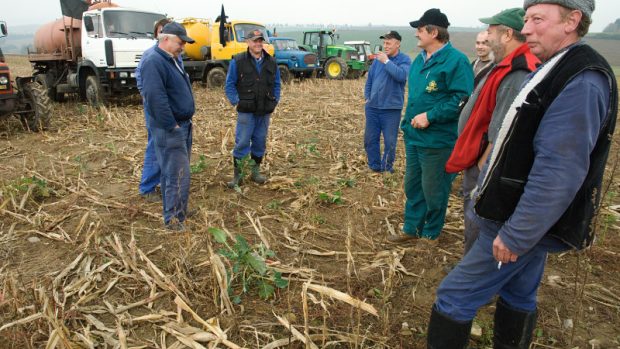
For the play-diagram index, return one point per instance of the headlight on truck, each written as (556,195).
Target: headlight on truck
(123,75)
(4,80)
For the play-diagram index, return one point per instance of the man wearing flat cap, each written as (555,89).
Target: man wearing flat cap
(484,112)
(440,76)
(253,87)
(168,97)
(540,188)
(384,94)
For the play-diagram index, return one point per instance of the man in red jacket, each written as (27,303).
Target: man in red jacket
(483,114)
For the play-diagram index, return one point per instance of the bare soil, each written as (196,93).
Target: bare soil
(70,194)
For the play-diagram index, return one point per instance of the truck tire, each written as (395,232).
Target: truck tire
(285,74)
(335,68)
(216,78)
(92,91)
(39,105)
(44,80)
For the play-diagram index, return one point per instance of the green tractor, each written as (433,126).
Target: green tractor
(337,61)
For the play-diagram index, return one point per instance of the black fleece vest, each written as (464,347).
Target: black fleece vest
(501,192)
(255,88)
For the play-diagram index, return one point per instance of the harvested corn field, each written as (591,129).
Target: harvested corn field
(300,262)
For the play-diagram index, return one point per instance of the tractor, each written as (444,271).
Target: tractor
(25,99)
(337,61)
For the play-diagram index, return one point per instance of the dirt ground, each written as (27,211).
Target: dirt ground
(85,261)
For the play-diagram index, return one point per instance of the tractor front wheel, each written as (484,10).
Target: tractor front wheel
(285,74)
(38,103)
(335,68)
(216,77)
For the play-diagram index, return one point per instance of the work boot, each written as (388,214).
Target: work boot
(445,333)
(237,179)
(513,328)
(256,175)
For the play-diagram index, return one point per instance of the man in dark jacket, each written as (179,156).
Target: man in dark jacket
(384,93)
(167,93)
(541,187)
(253,87)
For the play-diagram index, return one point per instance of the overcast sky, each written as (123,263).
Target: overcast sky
(360,12)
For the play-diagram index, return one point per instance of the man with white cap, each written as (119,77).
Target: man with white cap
(540,189)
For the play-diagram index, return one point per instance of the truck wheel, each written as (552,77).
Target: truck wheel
(216,78)
(285,74)
(92,91)
(44,80)
(39,105)
(335,68)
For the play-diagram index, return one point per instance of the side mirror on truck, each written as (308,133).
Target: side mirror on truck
(3,30)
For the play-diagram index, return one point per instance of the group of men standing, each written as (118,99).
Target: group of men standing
(531,132)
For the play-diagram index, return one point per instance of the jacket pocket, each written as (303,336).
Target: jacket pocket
(247,102)
(270,104)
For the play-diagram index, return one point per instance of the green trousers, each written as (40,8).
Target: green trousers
(427,188)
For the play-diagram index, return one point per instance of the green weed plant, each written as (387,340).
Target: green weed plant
(247,269)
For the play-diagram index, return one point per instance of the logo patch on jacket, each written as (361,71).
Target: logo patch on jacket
(431,87)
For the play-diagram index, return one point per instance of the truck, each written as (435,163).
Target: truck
(208,58)
(293,62)
(25,99)
(336,61)
(96,56)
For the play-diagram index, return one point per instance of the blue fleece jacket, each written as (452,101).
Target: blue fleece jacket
(385,85)
(166,89)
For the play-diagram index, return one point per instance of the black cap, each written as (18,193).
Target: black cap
(432,16)
(392,34)
(175,28)
(255,35)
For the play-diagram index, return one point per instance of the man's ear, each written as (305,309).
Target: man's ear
(571,21)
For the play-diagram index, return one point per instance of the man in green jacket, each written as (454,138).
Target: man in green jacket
(439,78)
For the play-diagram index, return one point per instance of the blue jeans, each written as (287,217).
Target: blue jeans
(173,149)
(379,121)
(476,279)
(251,135)
(150,170)
(427,188)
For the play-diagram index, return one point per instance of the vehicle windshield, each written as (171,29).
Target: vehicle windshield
(283,45)
(242,29)
(328,39)
(123,24)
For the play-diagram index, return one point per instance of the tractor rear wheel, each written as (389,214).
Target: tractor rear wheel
(354,74)
(39,105)
(285,74)
(216,77)
(335,68)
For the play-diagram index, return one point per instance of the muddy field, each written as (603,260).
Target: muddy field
(85,263)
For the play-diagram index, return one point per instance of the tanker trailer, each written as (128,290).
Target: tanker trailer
(95,57)
(208,58)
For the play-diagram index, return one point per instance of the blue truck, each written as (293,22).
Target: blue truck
(292,61)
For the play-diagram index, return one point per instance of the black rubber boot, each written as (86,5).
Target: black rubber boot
(445,333)
(237,180)
(256,176)
(513,328)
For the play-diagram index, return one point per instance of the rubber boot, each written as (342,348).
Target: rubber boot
(445,333)
(256,176)
(236,181)
(513,328)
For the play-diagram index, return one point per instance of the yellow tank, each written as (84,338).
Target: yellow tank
(200,30)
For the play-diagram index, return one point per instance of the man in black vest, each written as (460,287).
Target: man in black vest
(540,189)
(253,86)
